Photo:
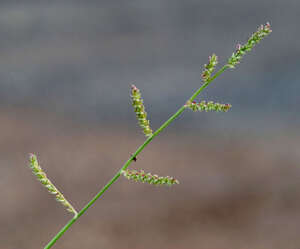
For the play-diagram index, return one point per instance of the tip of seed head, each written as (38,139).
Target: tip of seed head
(134,88)
(238,46)
(31,155)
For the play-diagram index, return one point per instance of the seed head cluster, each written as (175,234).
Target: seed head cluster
(42,177)
(236,57)
(141,176)
(139,109)
(209,68)
(207,106)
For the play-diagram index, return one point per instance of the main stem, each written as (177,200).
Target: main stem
(125,166)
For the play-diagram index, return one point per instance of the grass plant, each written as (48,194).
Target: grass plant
(139,175)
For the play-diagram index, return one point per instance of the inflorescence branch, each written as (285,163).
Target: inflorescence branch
(139,109)
(42,177)
(209,68)
(141,176)
(207,106)
(236,57)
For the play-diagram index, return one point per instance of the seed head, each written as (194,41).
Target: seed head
(141,176)
(42,177)
(262,31)
(139,109)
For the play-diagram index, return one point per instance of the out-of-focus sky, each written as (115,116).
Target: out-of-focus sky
(79,58)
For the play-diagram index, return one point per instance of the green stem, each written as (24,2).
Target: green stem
(125,166)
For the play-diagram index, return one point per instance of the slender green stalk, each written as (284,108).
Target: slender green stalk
(125,166)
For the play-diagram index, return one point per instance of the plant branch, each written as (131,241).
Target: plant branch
(138,151)
(236,57)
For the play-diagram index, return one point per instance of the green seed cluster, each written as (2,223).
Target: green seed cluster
(210,67)
(236,57)
(139,109)
(141,176)
(42,177)
(207,106)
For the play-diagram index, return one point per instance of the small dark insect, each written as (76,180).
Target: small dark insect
(134,159)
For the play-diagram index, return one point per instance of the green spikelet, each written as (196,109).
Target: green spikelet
(209,68)
(139,109)
(42,177)
(141,176)
(236,57)
(207,106)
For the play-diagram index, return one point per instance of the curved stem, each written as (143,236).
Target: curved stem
(125,166)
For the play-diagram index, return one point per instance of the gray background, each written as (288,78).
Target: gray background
(78,59)
(65,72)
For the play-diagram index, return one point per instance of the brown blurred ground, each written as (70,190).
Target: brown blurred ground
(235,192)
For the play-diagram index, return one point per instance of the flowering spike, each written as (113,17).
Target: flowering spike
(139,109)
(207,106)
(42,177)
(209,68)
(261,32)
(141,176)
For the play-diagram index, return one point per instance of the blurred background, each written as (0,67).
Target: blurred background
(65,72)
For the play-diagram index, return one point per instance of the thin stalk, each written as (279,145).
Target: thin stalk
(125,166)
